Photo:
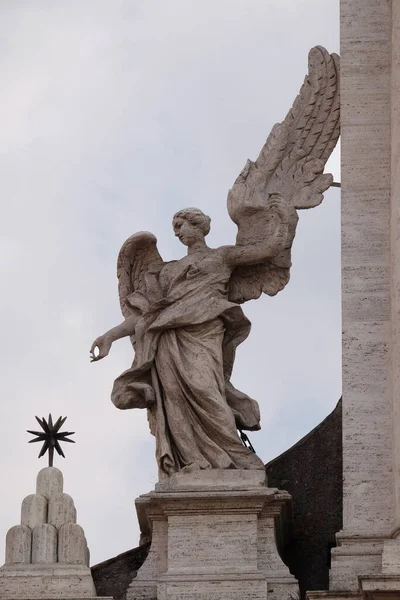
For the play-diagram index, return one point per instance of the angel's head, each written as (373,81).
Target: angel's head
(191,225)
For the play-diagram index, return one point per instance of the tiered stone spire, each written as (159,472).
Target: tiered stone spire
(47,554)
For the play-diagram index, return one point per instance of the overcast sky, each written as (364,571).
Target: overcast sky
(114,115)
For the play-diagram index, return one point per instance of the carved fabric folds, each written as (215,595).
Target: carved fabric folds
(185,346)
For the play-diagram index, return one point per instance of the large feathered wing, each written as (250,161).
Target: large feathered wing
(291,164)
(137,258)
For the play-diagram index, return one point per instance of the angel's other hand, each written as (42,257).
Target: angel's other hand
(278,206)
(103,344)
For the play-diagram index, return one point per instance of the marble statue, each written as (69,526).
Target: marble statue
(184,317)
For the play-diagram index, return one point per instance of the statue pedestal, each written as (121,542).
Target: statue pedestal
(215,535)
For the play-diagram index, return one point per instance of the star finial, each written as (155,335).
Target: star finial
(51,437)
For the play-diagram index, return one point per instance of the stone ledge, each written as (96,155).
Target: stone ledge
(161,504)
(37,570)
(213,479)
(383,587)
(52,581)
(229,576)
(332,595)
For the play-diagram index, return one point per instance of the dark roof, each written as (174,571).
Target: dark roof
(113,576)
(311,471)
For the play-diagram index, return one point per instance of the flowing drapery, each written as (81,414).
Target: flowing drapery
(184,351)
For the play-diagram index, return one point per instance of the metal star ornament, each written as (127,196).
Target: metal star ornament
(51,436)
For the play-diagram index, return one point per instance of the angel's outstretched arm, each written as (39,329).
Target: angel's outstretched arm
(257,250)
(105,341)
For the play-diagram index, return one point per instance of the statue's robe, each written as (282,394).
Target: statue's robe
(185,340)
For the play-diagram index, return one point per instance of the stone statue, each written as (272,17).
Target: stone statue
(183,317)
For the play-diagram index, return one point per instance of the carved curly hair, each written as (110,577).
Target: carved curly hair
(195,217)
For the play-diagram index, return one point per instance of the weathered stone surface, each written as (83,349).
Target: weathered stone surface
(333,595)
(61,510)
(366,31)
(211,479)
(352,557)
(52,560)
(34,510)
(370,113)
(41,582)
(391,557)
(18,545)
(182,372)
(381,587)
(44,544)
(72,546)
(395,248)
(239,588)
(211,539)
(194,542)
(49,482)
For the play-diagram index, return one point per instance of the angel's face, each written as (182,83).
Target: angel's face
(187,233)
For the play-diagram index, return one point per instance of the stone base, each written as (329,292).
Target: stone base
(352,557)
(333,596)
(215,535)
(383,587)
(27,582)
(371,587)
(369,567)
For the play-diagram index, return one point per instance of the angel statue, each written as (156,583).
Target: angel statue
(184,317)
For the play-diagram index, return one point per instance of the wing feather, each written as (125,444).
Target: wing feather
(137,256)
(291,163)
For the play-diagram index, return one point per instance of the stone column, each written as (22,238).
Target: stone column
(370,130)
(395,246)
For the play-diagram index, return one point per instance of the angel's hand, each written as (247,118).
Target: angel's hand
(103,344)
(278,207)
